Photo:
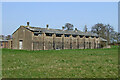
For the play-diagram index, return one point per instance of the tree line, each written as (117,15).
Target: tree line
(105,31)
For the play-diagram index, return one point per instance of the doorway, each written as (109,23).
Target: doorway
(20,44)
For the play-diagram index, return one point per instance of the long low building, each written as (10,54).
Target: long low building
(36,38)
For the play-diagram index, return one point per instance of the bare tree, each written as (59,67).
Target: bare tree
(111,35)
(99,29)
(85,28)
(69,26)
(104,31)
(114,37)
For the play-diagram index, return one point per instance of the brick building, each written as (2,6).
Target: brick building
(3,43)
(36,38)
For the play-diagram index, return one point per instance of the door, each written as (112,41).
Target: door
(20,44)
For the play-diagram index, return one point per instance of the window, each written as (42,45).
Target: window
(35,34)
(40,34)
(66,35)
(58,35)
(92,36)
(87,36)
(96,37)
(74,35)
(81,36)
(48,34)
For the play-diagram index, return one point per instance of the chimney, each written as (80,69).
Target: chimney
(47,26)
(27,23)
(63,28)
(76,30)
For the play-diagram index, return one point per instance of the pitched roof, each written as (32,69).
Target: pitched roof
(59,31)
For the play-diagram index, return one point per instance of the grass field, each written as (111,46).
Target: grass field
(89,63)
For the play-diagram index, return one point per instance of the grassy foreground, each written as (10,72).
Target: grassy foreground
(89,63)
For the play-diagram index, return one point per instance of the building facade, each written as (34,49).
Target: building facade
(3,43)
(35,38)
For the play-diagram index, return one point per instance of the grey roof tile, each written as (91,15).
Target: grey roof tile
(58,31)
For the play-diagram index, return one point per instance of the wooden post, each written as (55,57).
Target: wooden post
(98,42)
(84,41)
(63,41)
(94,42)
(78,39)
(70,41)
(32,41)
(44,41)
(89,42)
(54,47)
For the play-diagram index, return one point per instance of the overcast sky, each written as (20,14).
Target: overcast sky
(56,14)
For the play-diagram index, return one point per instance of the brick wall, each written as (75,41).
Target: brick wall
(44,42)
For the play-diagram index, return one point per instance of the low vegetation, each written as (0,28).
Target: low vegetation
(88,63)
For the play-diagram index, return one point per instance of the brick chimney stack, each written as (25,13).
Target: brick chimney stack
(27,23)
(47,26)
(63,28)
(76,30)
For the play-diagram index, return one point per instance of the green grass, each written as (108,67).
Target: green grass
(89,63)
